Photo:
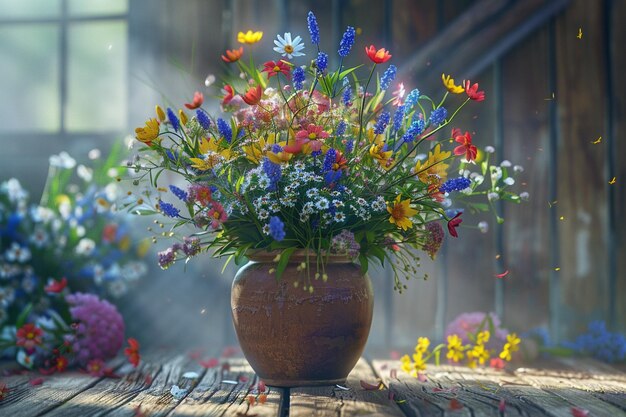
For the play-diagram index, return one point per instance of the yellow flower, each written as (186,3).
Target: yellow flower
(183,117)
(256,150)
(419,364)
(401,213)
(124,244)
(212,153)
(449,84)
(455,348)
(249,37)
(433,166)
(422,345)
(479,353)
(482,337)
(160,113)
(143,247)
(148,133)
(513,341)
(506,353)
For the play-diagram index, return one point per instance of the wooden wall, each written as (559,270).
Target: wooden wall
(549,96)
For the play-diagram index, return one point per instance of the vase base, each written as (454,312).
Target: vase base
(290,383)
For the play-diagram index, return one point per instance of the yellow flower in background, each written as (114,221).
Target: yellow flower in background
(449,84)
(455,348)
(124,243)
(478,353)
(183,117)
(148,133)
(513,341)
(419,364)
(160,113)
(62,199)
(249,37)
(143,247)
(377,150)
(212,153)
(422,345)
(256,150)
(433,166)
(401,212)
(406,365)
(482,337)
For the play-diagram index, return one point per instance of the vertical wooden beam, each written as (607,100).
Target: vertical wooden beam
(499,261)
(63,63)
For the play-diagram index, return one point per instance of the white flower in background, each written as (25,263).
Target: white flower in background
(57,224)
(17,253)
(94,154)
(287,46)
(39,238)
(518,168)
(25,359)
(14,190)
(7,295)
(483,227)
(29,283)
(492,196)
(84,173)
(41,214)
(118,288)
(509,181)
(80,231)
(490,149)
(98,274)
(506,164)
(524,196)
(65,210)
(496,173)
(112,191)
(62,160)
(132,271)
(85,247)
(112,173)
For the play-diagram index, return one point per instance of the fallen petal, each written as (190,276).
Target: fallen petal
(369,387)
(579,412)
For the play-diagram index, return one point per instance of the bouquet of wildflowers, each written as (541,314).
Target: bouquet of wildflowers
(326,161)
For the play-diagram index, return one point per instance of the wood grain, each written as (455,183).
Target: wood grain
(333,401)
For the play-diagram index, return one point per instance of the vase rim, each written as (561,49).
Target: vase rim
(299,255)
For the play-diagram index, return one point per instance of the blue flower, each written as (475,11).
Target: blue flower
(341,128)
(329,159)
(273,172)
(388,76)
(277,228)
(347,93)
(415,129)
(332,177)
(314,30)
(347,40)
(411,98)
(455,184)
(181,194)
(298,77)
(349,146)
(438,116)
(398,118)
(225,131)
(203,119)
(171,116)
(382,122)
(322,61)
(168,209)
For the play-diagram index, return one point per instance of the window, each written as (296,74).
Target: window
(64,66)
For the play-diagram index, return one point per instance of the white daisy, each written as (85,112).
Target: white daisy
(288,47)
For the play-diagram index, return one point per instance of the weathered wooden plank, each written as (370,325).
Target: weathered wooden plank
(582,193)
(224,392)
(332,400)
(25,400)
(525,110)
(153,399)
(109,394)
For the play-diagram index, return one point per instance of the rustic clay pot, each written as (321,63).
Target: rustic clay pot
(292,337)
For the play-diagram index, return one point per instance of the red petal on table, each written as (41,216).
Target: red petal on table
(36,381)
(369,387)
(261,386)
(455,404)
(209,363)
(243,378)
(230,351)
(148,379)
(262,398)
(502,275)
(392,395)
(395,355)
(393,374)
(226,367)
(195,354)
(421,377)
(138,412)
(502,405)
(579,412)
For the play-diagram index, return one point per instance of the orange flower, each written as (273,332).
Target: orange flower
(253,96)
(230,94)
(132,351)
(378,56)
(198,99)
(232,55)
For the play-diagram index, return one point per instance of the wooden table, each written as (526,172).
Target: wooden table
(550,390)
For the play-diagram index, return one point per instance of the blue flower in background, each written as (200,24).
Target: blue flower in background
(455,184)
(225,131)
(168,209)
(382,122)
(411,98)
(398,117)
(277,228)
(438,116)
(298,77)
(171,116)
(314,29)
(203,119)
(322,61)
(181,194)
(347,40)
(388,76)
(273,172)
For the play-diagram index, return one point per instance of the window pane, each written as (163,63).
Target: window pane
(97,7)
(97,76)
(27,9)
(29,78)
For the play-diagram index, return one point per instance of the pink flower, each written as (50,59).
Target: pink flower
(198,99)
(99,328)
(398,95)
(216,215)
(469,322)
(29,336)
(309,137)
(472,91)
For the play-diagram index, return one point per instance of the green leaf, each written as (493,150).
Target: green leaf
(21,319)
(143,212)
(364,263)
(282,262)
(379,254)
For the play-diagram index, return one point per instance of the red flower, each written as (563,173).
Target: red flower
(4,391)
(60,364)
(133,352)
(95,367)
(209,363)
(465,146)
(310,137)
(29,336)
(274,68)
(232,55)
(378,56)
(56,286)
(496,363)
(109,232)
(198,99)
(253,96)
(230,94)
(217,215)
(453,223)
(472,91)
